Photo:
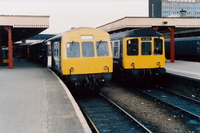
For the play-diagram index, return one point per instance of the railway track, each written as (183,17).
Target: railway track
(183,103)
(187,106)
(106,116)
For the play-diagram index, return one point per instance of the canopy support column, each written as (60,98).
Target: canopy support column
(172,46)
(10,49)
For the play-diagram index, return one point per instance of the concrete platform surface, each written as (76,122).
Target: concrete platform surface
(184,68)
(34,100)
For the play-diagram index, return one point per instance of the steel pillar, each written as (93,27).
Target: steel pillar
(10,49)
(172,46)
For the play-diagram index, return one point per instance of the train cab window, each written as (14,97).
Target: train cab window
(158,46)
(102,48)
(88,49)
(132,47)
(146,48)
(73,50)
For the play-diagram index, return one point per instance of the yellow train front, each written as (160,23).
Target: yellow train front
(83,56)
(139,55)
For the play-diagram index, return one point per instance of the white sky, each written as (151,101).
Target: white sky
(65,14)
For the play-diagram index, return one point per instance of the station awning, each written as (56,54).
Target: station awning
(15,28)
(23,27)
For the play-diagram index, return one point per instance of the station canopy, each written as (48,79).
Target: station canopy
(23,27)
(183,27)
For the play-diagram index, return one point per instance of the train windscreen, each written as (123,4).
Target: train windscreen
(88,49)
(73,50)
(102,48)
(158,46)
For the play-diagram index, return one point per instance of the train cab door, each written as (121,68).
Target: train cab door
(57,56)
(116,53)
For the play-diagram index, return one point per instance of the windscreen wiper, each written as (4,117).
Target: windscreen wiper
(99,44)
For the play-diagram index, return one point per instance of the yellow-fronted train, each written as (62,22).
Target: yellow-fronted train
(138,55)
(82,56)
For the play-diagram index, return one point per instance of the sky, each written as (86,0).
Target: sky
(65,14)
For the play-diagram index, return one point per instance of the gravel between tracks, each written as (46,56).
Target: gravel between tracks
(145,109)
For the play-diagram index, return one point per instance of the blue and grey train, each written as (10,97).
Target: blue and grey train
(187,48)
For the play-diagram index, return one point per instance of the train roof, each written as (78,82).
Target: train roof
(184,39)
(136,33)
(60,34)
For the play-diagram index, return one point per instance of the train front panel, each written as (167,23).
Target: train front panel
(86,51)
(143,53)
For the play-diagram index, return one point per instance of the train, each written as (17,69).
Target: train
(4,51)
(82,57)
(187,48)
(138,55)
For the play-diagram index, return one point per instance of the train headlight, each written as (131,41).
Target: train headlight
(105,67)
(158,64)
(133,65)
(71,69)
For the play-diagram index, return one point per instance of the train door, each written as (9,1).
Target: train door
(116,53)
(49,54)
(57,55)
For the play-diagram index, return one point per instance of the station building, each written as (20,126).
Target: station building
(172,8)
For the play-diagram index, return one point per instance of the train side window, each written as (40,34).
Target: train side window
(102,48)
(88,49)
(132,47)
(73,49)
(146,48)
(116,49)
(158,46)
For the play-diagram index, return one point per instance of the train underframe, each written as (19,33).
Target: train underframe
(138,77)
(80,84)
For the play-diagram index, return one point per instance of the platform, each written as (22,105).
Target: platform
(184,68)
(34,100)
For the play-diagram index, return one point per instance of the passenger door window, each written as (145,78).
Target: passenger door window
(115,49)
